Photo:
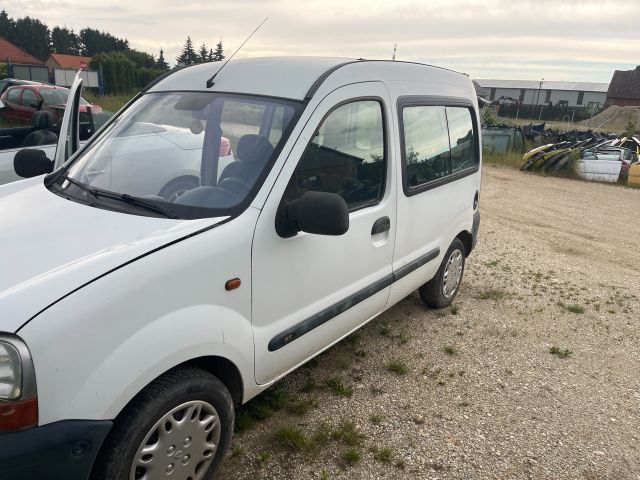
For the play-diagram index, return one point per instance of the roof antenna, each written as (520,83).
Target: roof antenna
(210,82)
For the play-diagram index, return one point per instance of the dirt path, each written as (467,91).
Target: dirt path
(557,265)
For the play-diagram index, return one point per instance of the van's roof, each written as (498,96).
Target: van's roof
(296,77)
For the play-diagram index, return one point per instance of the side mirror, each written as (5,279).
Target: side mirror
(320,213)
(30,162)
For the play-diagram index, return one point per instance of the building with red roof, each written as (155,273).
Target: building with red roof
(61,60)
(8,51)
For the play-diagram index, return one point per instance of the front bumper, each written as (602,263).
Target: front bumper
(58,451)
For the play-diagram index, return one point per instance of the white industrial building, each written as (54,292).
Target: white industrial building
(534,92)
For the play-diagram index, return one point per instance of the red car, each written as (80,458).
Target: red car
(21,102)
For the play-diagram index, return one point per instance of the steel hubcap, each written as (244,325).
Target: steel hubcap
(181,445)
(452,274)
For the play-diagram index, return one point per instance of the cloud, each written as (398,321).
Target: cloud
(563,40)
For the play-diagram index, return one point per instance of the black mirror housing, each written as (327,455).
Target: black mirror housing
(320,213)
(30,162)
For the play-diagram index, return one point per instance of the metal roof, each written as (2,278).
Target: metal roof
(546,85)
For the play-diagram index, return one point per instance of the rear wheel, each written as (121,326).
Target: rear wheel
(441,290)
(178,427)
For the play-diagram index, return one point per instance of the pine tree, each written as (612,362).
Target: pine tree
(218,55)
(203,54)
(161,63)
(188,55)
(210,55)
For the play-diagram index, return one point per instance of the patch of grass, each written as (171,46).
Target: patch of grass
(302,406)
(324,475)
(236,451)
(449,349)
(351,455)
(400,464)
(291,438)
(321,435)
(360,353)
(309,385)
(383,454)
(385,330)
(348,433)
(492,294)
(264,457)
(510,159)
(403,338)
(574,308)
(560,352)
(376,418)
(244,421)
(110,103)
(337,387)
(397,366)
(455,309)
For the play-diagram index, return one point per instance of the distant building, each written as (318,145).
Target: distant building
(533,92)
(624,89)
(21,64)
(61,60)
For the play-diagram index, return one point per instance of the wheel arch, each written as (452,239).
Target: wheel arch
(467,240)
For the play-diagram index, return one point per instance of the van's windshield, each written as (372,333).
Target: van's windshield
(191,154)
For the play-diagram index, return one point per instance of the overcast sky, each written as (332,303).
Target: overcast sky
(510,39)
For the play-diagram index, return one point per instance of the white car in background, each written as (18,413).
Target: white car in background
(132,323)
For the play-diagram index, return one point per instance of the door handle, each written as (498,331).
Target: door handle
(381,225)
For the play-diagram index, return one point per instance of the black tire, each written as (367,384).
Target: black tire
(432,292)
(176,387)
(177,187)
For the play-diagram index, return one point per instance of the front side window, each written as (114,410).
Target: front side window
(191,154)
(426,144)
(346,156)
(57,96)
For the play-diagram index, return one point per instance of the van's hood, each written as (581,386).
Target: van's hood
(50,246)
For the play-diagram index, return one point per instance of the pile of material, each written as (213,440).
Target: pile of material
(593,156)
(614,118)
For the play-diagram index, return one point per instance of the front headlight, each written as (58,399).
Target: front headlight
(18,396)
(10,372)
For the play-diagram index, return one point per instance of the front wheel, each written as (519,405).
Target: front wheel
(441,290)
(178,427)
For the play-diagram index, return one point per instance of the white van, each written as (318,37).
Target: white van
(134,324)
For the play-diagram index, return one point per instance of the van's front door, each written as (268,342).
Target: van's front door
(311,290)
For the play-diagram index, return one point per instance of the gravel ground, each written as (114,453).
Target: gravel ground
(557,265)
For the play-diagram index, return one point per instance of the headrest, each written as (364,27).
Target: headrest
(42,120)
(254,148)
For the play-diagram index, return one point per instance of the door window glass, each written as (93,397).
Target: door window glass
(346,156)
(426,144)
(29,99)
(463,145)
(13,95)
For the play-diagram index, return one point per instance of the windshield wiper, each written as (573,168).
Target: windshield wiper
(123,197)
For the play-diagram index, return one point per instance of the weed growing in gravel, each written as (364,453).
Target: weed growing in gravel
(264,457)
(492,294)
(302,406)
(376,418)
(383,454)
(291,438)
(400,464)
(560,352)
(321,436)
(236,451)
(403,338)
(360,353)
(337,387)
(243,421)
(309,385)
(348,433)
(351,455)
(449,350)
(385,330)
(575,308)
(324,475)
(455,309)
(398,367)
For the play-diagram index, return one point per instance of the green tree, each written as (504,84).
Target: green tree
(161,63)
(188,55)
(141,59)
(33,36)
(95,41)
(65,41)
(7,26)
(218,55)
(203,54)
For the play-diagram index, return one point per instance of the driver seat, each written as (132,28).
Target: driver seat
(41,122)
(253,152)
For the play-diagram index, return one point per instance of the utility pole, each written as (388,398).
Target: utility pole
(539,89)
(395,47)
